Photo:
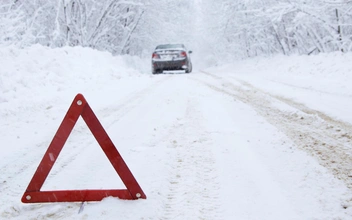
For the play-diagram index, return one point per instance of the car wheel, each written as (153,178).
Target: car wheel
(189,69)
(157,71)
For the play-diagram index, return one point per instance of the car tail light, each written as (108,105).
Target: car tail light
(183,54)
(155,55)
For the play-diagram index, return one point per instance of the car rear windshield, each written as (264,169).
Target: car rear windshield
(168,46)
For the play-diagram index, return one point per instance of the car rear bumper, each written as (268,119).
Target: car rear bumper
(169,64)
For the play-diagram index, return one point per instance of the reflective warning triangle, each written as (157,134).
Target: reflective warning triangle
(80,107)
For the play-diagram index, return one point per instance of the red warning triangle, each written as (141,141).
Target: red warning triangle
(80,107)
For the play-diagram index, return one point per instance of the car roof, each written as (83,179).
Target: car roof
(170,46)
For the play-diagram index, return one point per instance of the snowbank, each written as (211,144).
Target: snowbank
(320,82)
(39,69)
(323,71)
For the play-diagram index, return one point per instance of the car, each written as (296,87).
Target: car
(171,57)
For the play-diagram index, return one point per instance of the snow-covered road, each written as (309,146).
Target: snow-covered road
(322,136)
(205,145)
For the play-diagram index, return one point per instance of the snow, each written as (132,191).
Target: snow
(321,82)
(246,140)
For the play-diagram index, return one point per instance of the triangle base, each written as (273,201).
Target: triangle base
(74,195)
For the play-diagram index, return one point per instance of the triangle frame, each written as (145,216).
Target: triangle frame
(80,107)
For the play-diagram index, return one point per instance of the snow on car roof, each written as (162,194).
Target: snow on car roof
(168,46)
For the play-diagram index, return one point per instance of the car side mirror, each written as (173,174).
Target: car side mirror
(190,51)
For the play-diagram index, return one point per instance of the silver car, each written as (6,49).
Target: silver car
(171,57)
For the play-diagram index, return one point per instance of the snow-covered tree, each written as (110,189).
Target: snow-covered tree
(224,28)
(11,26)
(255,27)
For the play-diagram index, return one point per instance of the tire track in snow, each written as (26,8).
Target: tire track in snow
(327,139)
(305,88)
(193,168)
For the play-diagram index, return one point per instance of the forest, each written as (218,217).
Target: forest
(230,29)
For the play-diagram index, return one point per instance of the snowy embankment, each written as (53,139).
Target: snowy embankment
(239,141)
(322,82)
(32,71)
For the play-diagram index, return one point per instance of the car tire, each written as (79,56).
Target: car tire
(189,69)
(157,71)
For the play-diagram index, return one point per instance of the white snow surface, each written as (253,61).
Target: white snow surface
(263,138)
